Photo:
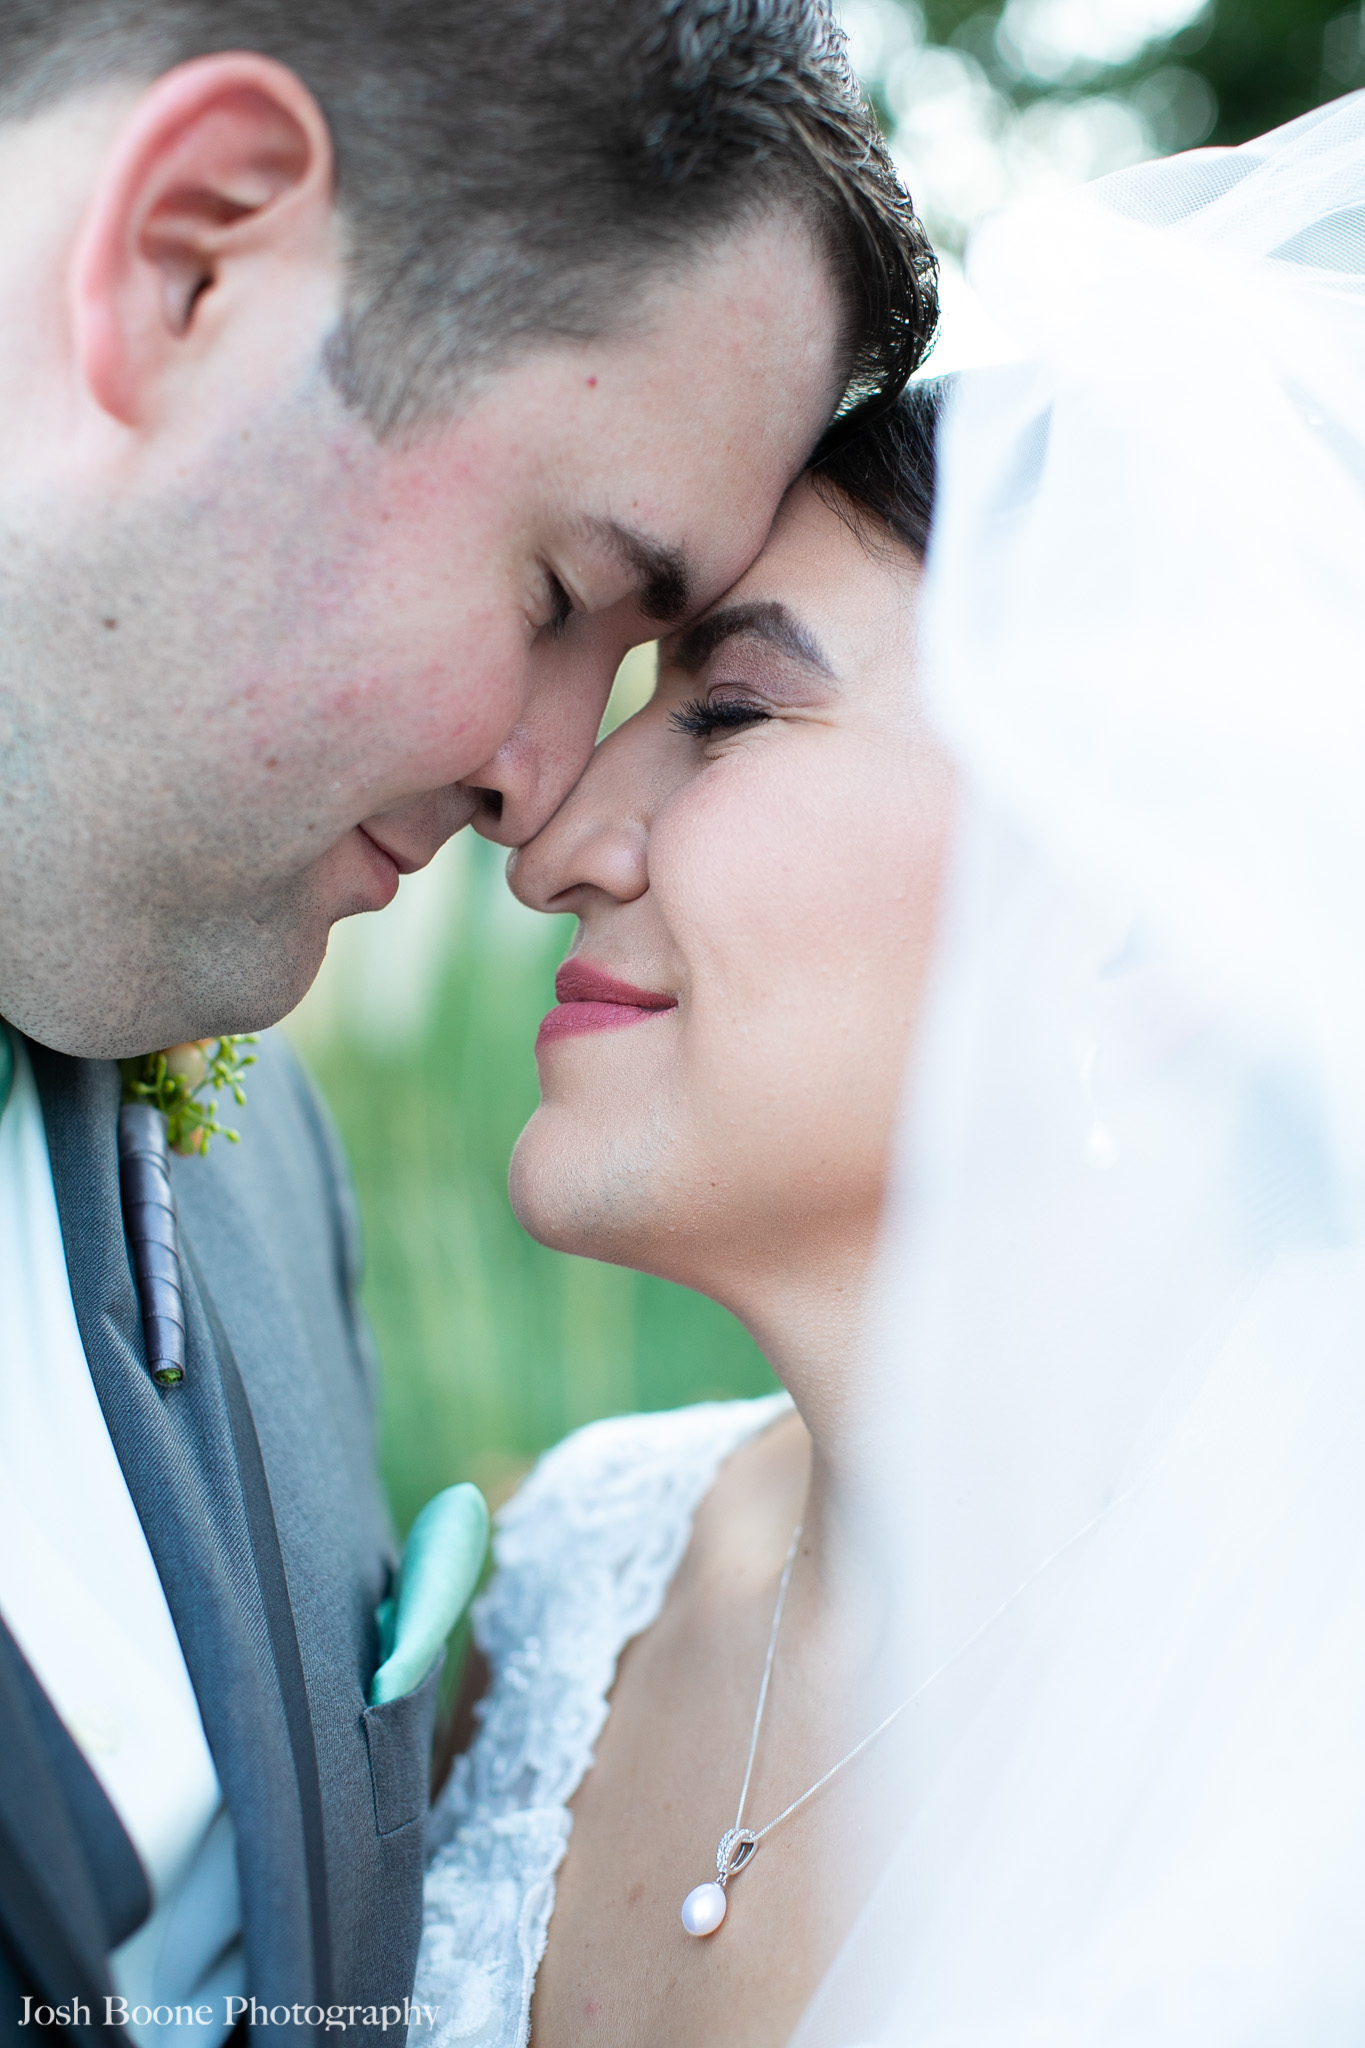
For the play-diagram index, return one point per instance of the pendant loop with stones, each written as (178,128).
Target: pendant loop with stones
(735,1848)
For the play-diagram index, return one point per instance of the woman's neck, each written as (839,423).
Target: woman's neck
(810,1324)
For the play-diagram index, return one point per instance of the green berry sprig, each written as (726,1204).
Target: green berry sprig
(174,1082)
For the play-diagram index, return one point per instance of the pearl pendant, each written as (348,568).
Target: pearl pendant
(703,1909)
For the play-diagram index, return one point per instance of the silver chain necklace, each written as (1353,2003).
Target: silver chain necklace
(704,1907)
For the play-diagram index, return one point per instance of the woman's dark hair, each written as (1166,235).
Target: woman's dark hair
(883,470)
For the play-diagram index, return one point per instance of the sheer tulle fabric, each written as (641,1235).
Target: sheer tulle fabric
(1125,1275)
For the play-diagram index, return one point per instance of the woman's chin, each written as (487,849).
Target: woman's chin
(576,1191)
(550,1183)
(531,1187)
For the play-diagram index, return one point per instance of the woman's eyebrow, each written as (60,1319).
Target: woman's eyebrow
(767,620)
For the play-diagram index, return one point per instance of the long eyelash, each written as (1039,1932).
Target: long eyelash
(562,603)
(701,719)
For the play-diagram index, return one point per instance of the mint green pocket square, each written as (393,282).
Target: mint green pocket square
(444,1556)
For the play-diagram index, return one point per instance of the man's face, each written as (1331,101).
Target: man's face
(290,661)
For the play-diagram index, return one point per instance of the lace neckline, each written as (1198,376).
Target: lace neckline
(584,1556)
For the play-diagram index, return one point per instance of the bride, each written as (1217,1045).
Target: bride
(754,863)
(1070,1458)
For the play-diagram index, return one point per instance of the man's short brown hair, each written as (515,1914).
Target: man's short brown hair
(516,171)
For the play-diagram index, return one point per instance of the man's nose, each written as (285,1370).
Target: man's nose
(519,790)
(412,831)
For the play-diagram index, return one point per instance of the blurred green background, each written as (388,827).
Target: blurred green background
(420,1029)
(421,1025)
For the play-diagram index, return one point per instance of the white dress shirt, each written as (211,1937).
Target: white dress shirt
(80,1595)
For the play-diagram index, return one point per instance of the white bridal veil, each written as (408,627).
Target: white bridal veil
(1122,1355)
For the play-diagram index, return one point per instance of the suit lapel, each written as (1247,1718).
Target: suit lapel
(279,1614)
(49,1911)
(110,1860)
(212,1539)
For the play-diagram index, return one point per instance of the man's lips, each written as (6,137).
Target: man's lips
(376,884)
(590,1000)
(404,862)
(383,862)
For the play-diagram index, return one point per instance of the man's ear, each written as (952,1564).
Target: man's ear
(223,174)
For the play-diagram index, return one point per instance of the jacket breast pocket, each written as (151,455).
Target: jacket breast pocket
(399,1739)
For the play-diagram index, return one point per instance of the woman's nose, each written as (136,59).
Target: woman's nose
(597,840)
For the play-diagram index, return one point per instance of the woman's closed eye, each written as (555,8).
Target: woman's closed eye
(703,717)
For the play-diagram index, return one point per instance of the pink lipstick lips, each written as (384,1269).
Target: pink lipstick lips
(590,1000)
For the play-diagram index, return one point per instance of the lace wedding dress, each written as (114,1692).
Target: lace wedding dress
(584,1555)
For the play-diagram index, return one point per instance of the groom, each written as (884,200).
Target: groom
(372,375)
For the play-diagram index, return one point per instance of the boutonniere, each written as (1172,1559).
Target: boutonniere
(170,1100)
(185,1082)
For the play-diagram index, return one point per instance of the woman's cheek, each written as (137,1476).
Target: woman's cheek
(772,879)
(748,862)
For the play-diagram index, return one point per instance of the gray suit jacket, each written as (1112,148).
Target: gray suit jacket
(256,1484)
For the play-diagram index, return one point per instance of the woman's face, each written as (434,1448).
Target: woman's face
(754,861)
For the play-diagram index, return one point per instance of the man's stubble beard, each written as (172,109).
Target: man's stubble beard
(155,888)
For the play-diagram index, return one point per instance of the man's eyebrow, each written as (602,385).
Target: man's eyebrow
(768,621)
(664,578)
